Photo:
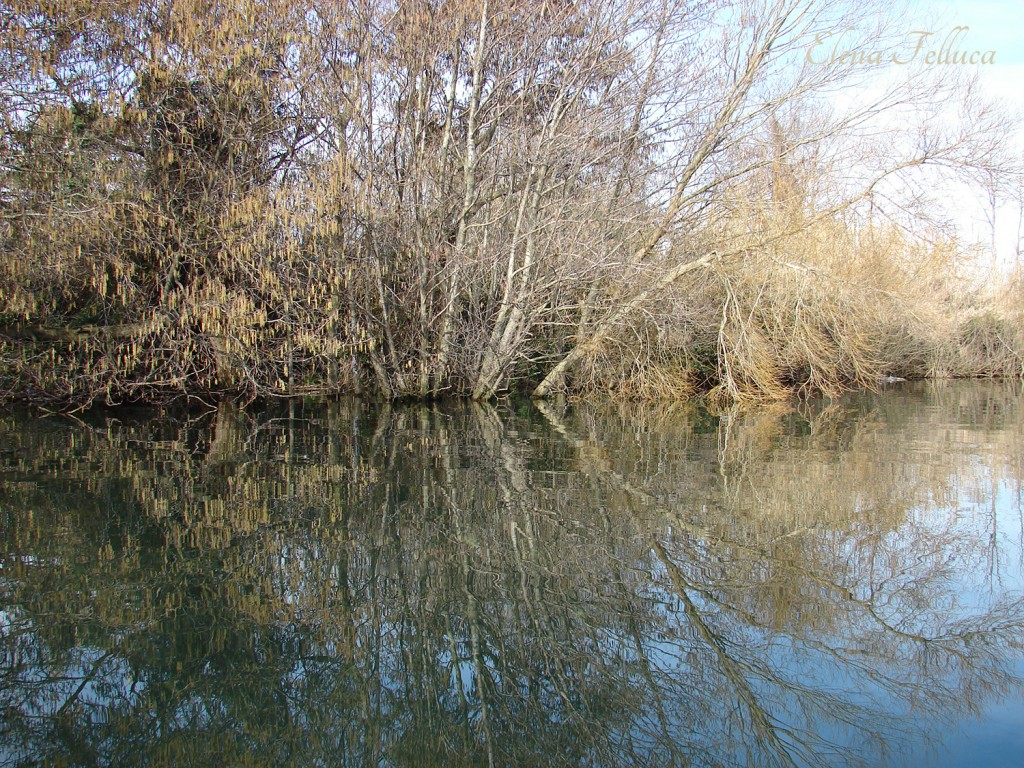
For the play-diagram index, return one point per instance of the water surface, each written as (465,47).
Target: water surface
(839,583)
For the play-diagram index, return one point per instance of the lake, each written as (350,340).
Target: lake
(599,584)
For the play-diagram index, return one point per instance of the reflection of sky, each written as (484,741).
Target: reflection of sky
(987,577)
(988,512)
(787,666)
(993,740)
(1001,571)
(102,684)
(883,696)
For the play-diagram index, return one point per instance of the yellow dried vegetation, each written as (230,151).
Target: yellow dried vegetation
(426,199)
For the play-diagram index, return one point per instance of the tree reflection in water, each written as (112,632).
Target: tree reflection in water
(522,585)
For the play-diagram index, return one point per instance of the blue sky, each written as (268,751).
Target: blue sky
(994,24)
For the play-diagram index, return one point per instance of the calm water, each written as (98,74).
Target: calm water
(460,585)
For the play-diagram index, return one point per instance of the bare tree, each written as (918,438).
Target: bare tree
(423,198)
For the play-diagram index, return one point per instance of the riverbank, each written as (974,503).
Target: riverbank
(456,200)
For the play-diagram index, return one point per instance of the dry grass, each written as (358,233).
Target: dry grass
(821,309)
(239,222)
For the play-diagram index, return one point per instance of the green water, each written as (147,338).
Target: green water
(455,584)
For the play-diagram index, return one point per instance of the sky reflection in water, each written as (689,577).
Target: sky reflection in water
(598,584)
